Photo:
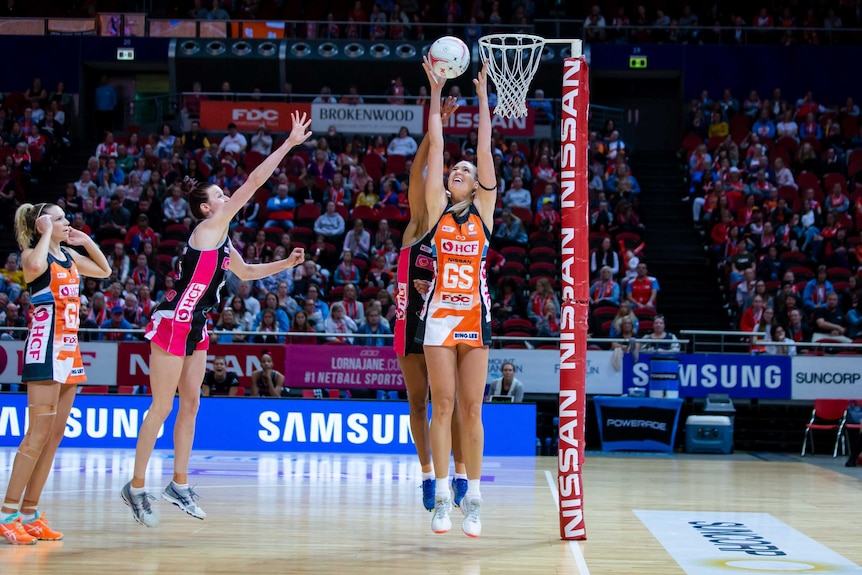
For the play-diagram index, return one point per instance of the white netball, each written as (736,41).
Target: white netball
(449,57)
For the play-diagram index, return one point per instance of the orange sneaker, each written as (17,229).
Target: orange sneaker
(39,529)
(14,533)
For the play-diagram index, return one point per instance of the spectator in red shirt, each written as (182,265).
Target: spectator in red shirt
(139,233)
(643,290)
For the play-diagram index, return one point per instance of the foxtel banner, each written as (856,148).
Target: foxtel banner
(466,118)
(737,375)
(249,116)
(367,118)
(264,424)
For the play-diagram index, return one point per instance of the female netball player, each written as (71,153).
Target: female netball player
(177,329)
(52,360)
(415,270)
(456,319)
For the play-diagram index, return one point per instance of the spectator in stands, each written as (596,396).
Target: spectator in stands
(751,106)
(507,385)
(194,139)
(373,326)
(115,220)
(220,381)
(116,321)
(280,208)
(13,276)
(378,274)
(13,320)
(643,290)
(604,256)
(139,233)
(252,305)
(347,272)
(517,195)
(270,302)
(511,230)
(267,382)
(544,170)
(268,325)
(625,331)
(547,218)
(779,334)
(234,142)
(106,102)
(338,323)
(142,274)
(829,319)
(751,316)
(615,145)
(594,26)
(787,127)
(659,340)
(217,13)
(817,291)
(175,208)
(605,291)
(403,144)
(508,302)
(325,97)
(541,296)
(542,107)
(358,240)
(108,147)
(718,128)
(549,324)
(764,127)
(330,224)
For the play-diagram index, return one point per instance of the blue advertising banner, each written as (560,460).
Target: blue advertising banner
(637,423)
(260,424)
(739,376)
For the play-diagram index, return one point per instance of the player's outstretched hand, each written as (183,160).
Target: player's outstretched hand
(297,256)
(300,132)
(450,105)
(481,81)
(435,80)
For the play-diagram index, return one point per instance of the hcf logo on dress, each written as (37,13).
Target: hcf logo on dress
(460,248)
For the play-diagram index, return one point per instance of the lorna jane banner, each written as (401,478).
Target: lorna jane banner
(250,115)
(342,367)
(264,424)
(466,118)
(100,362)
(742,376)
(367,118)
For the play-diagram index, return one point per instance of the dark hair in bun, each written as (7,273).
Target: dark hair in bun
(196,194)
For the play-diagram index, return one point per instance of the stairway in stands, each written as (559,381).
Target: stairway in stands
(689,296)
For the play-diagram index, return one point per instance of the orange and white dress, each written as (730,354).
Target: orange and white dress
(458,307)
(51,352)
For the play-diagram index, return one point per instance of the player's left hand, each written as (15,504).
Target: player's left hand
(481,81)
(77,237)
(422,286)
(297,256)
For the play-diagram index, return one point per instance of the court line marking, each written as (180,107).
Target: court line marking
(580,561)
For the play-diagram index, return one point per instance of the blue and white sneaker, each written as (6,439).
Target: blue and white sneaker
(459,490)
(185,498)
(429,488)
(140,504)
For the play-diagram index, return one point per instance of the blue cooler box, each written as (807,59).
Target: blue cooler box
(708,434)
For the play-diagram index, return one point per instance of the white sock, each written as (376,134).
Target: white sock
(460,476)
(28,517)
(428,475)
(180,485)
(473,489)
(442,487)
(137,490)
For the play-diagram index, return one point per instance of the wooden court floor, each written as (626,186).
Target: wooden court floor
(361,514)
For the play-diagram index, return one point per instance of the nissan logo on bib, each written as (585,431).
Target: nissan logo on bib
(460,248)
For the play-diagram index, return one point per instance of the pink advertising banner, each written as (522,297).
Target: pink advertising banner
(341,366)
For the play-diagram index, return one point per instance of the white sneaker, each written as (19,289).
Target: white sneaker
(185,498)
(140,504)
(472,524)
(440,522)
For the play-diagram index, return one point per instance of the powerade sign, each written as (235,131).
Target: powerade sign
(252,424)
(739,376)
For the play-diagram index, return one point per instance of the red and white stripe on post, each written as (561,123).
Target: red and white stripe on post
(575,291)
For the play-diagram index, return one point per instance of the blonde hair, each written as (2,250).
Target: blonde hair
(462,208)
(25,223)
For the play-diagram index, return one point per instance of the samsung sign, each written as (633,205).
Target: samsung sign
(741,376)
(252,424)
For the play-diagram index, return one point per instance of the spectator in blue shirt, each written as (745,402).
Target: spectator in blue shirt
(544,115)
(106,102)
(116,321)
(373,326)
(816,290)
(280,208)
(764,126)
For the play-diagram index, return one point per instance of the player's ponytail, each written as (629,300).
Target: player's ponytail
(196,193)
(25,224)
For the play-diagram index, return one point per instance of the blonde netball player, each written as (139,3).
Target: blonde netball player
(52,359)
(416,268)
(456,319)
(177,329)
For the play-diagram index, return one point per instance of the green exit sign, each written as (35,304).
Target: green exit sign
(638,62)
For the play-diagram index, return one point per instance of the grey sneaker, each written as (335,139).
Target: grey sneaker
(184,498)
(440,522)
(472,524)
(140,505)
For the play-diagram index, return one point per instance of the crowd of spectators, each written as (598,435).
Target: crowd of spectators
(776,186)
(713,23)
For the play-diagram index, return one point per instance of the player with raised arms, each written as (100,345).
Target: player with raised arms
(177,329)
(52,358)
(456,319)
(415,271)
